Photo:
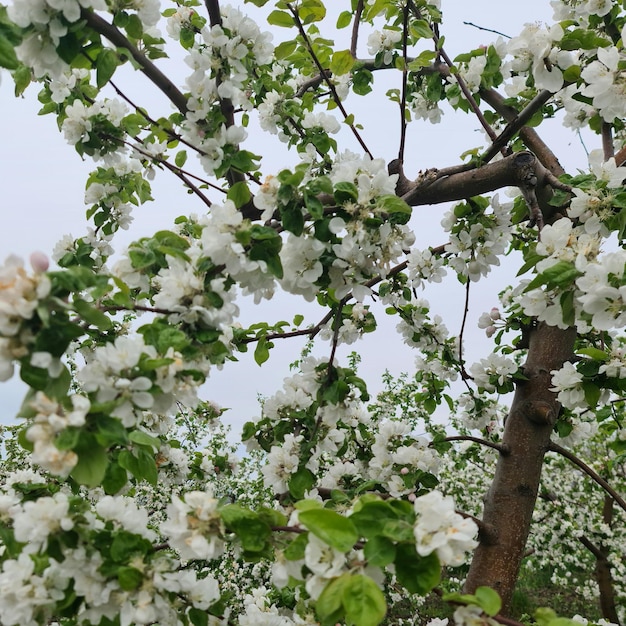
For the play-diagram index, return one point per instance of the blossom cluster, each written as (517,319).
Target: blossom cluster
(440,529)
(335,489)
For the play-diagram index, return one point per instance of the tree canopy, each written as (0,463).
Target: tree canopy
(123,499)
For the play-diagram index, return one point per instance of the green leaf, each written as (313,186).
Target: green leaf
(346,192)
(418,574)
(106,64)
(144,439)
(311,11)
(181,158)
(129,578)
(344,19)
(370,520)
(595,353)
(12,548)
(421,29)
(300,482)
(398,530)
(572,74)
(126,544)
(163,336)
(92,315)
(21,77)
(110,431)
(140,464)
(292,218)
(114,479)
(240,194)
(198,617)
(280,18)
(380,551)
(261,352)
(334,529)
(592,393)
(68,439)
(8,58)
(488,600)
(561,274)
(342,62)
(284,49)
(252,531)
(363,601)
(567,306)
(329,605)
(423,59)
(35,377)
(92,461)
(295,550)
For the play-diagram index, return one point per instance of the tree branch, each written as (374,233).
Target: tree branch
(555,447)
(226,105)
(529,136)
(355,27)
(516,124)
(403,125)
(117,38)
(469,97)
(607,141)
(326,76)
(516,170)
(501,448)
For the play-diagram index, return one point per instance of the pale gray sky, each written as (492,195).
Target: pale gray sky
(43,183)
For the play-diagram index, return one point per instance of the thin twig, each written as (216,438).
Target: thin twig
(529,135)
(335,335)
(144,114)
(607,141)
(555,447)
(522,118)
(135,307)
(469,97)
(355,27)
(288,529)
(403,125)
(226,105)
(489,30)
(116,37)
(326,77)
(184,177)
(464,374)
(293,333)
(459,79)
(501,448)
(177,171)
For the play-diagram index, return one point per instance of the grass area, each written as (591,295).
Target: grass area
(534,590)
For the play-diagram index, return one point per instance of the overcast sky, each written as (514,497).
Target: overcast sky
(43,182)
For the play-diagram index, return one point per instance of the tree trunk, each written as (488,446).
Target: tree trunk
(603,570)
(510,501)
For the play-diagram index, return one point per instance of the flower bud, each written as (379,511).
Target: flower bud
(39,262)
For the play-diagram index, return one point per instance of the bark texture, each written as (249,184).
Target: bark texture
(510,501)
(603,573)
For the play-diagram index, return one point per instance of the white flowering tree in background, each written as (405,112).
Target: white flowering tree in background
(122,501)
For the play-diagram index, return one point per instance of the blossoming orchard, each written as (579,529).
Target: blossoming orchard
(123,499)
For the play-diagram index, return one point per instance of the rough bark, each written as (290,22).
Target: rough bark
(603,570)
(521,169)
(510,501)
